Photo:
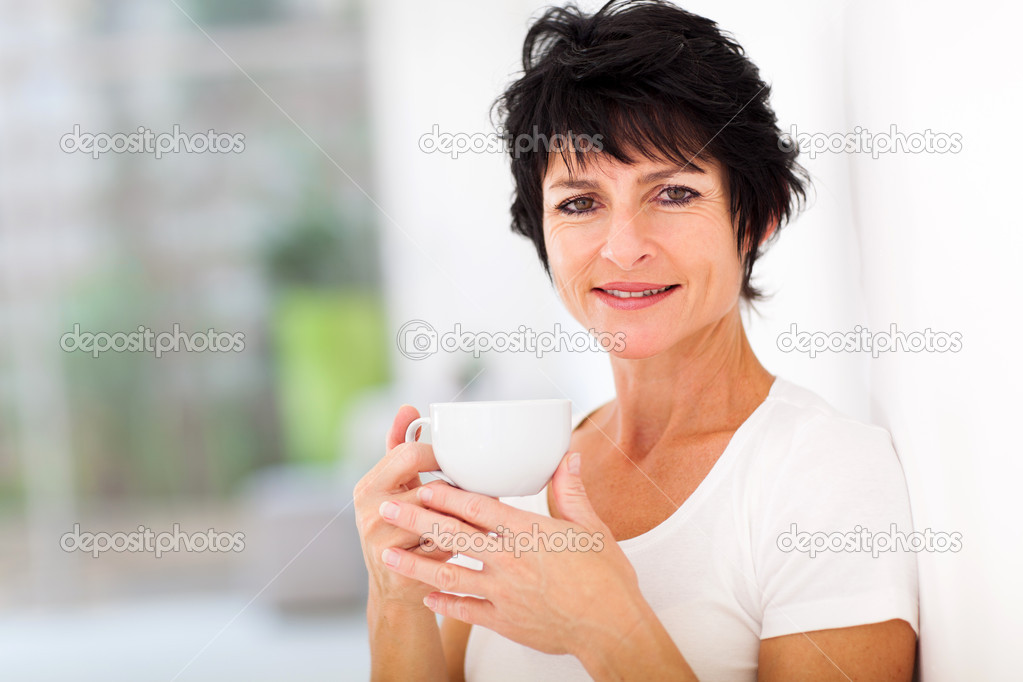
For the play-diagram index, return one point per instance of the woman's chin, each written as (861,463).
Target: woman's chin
(639,346)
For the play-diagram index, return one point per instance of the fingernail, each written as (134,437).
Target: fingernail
(424,494)
(389,510)
(390,557)
(430,601)
(573,464)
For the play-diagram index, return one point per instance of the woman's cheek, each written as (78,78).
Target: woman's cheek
(554,255)
(555,260)
(565,261)
(559,252)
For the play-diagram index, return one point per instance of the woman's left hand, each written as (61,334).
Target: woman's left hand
(574,592)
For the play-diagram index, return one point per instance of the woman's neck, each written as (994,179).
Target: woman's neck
(708,383)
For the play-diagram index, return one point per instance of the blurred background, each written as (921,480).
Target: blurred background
(327,229)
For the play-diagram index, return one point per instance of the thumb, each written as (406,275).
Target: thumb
(570,495)
(405,416)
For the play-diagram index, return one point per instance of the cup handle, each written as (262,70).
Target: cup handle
(410,437)
(410,432)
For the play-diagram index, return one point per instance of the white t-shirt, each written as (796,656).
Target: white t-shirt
(715,572)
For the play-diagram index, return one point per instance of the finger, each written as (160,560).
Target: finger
(442,575)
(478,510)
(405,416)
(570,495)
(466,609)
(427,547)
(424,544)
(437,530)
(407,539)
(401,467)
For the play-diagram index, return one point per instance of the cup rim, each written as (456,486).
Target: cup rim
(506,403)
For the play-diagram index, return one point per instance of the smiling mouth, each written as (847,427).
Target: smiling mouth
(636,294)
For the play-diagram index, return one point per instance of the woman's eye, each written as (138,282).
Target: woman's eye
(679,195)
(671,196)
(577,205)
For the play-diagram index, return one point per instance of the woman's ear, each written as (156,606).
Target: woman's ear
(767,235)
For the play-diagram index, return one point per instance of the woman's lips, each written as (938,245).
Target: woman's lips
(633,303)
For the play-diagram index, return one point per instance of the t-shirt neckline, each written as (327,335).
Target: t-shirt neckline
(709,482)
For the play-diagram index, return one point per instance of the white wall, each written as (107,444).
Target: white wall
(943,241)
(922,240)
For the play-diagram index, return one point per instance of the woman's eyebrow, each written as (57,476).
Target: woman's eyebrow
(649,178)
(575,184)
(669,173)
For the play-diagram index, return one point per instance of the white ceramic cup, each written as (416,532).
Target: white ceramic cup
(501,448)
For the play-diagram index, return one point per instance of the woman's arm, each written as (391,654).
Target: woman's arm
(455,636)
(879,651)
(642,651)
(404,642)
(404,638)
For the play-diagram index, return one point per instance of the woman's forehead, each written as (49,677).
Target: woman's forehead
(574,169)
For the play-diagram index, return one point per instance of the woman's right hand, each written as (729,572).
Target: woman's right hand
(395,477)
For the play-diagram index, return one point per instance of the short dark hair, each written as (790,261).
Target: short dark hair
(653,79)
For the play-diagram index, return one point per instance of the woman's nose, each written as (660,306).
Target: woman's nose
(627,244)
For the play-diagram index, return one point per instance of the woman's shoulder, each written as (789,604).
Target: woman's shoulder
(816,467)
(806,447)
(803,428)
(805,411)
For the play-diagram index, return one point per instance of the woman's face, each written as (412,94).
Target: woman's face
(650,225)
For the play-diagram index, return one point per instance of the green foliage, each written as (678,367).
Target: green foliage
(330,345)
(325,248)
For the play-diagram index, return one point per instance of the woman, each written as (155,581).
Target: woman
(706,474)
